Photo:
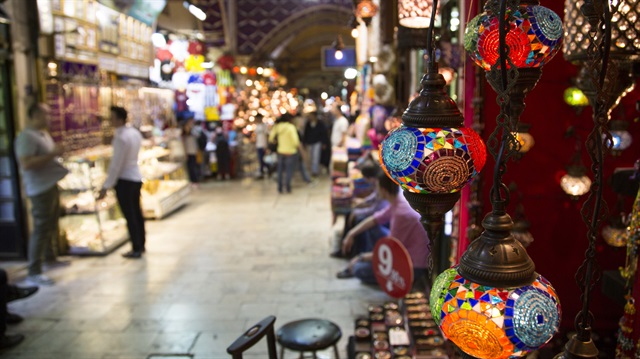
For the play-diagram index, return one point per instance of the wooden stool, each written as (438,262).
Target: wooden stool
(309,335)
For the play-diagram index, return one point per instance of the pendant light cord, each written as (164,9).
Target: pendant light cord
(502,144)
(431,47)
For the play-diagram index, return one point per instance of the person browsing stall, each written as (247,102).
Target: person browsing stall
(125,177)
(404,225)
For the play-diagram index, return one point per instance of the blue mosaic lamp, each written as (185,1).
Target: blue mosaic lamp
(432,156)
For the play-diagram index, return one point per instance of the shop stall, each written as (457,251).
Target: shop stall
(93,57)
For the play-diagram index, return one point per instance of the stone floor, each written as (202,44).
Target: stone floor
(237,253)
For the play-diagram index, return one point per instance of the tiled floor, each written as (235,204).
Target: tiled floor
(237,253)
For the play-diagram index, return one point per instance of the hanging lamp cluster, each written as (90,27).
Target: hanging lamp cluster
(494,304)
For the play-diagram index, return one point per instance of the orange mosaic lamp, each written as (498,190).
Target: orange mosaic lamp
(497,323)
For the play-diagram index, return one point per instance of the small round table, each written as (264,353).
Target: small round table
(309,335)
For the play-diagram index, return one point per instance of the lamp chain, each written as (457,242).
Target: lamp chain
(502,144)
(432,69)
(594,210)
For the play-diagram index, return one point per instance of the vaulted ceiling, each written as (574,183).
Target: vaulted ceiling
(287,33)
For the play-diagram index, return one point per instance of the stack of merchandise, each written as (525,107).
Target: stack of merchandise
(395,331)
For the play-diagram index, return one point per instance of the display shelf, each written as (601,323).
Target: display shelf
(166,200)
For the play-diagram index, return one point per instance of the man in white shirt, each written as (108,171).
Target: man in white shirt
(339,129)
(124,175)
(262,134)
(37,155)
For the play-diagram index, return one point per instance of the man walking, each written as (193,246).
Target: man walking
(124,175)
(37,155)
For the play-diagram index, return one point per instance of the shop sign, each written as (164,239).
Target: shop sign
(393,267)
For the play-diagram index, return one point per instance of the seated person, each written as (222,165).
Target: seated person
(9,293)
(363,207)
(404,225)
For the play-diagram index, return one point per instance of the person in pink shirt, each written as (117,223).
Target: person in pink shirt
(405,226)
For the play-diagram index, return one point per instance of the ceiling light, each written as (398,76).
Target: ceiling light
(195,11)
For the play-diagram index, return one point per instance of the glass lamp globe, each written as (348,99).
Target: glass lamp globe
(575,183)
(432,160)
(366,10)
(615,236)
(574,97)
(526,141)
(498,323)
(621,138)
(533,39)
(415,13)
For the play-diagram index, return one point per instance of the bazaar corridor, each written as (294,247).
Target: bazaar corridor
(237,253)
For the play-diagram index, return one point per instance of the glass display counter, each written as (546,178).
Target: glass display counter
(95,227)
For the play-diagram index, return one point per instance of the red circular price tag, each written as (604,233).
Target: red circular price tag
(393,267)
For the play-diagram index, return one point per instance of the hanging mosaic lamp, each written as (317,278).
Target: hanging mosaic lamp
(524,138)
(624,50)
(415,13)
(366,10)
(575,182)
(574,97)
(625,32)
(615,233)
(620,136)
(432,156)
(494,305)
(617,84)
(534,37)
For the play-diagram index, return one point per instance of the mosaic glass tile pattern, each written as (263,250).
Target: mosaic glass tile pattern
(534,37)
(432,160)
(497,323)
